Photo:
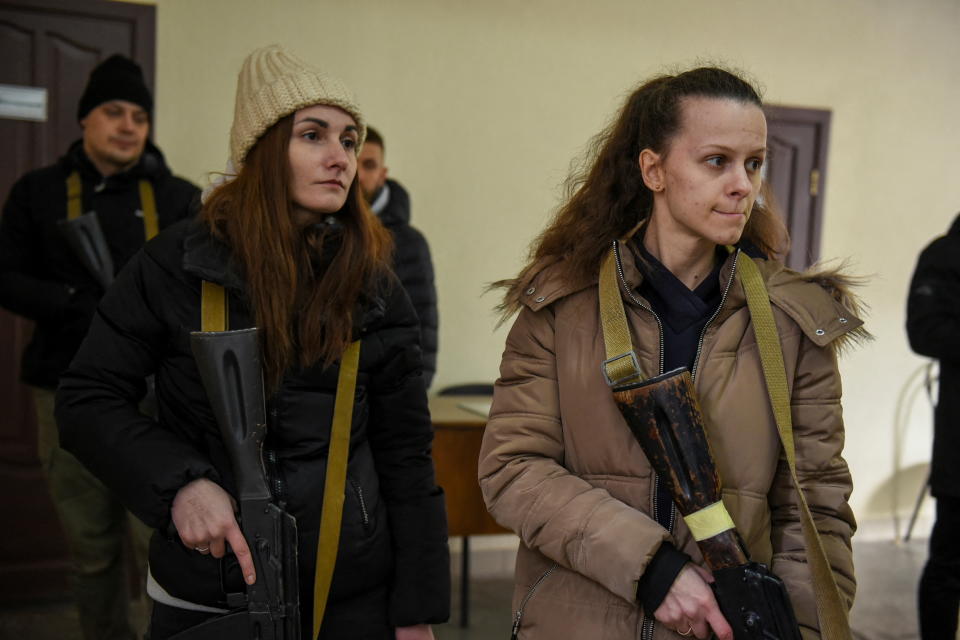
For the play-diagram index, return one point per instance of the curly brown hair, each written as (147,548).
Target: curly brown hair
(605,196)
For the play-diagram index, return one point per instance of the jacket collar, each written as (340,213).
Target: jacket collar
(396,210)
(819,305)
(151,165)
(209,259)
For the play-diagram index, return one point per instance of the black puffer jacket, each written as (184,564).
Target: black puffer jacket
(413,266)
(42,279)
(393,548)
(933,326)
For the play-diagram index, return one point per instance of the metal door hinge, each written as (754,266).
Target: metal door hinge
(814,182)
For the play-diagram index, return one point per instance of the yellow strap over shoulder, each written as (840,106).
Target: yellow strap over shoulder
(621,364)
(213,307)
(830,610)
(148,204)
(335,482)
(74,196)
(709,521)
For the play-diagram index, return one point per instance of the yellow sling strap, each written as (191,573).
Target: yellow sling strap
(213,307)
(335,482)
(616,336)
(148,203)
(74,196)
(213,317)
(830,610)
(621,364)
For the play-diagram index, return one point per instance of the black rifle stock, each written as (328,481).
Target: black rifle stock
(229,364)
(85,237)
(664,415)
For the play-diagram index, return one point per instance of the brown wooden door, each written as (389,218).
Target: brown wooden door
(796,169)
(52,44)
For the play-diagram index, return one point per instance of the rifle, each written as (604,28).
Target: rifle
(664,415)
(229,364)
(86,238)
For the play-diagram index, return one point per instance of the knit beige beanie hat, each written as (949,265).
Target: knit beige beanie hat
(273,84)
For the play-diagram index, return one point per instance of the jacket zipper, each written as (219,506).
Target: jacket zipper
(523,603)
(647,623)
(363,505)
(723,299)
(626,288)
(646,628)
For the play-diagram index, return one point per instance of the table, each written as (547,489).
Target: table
(456,447)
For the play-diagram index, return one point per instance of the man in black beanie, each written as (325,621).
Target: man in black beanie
(117,179)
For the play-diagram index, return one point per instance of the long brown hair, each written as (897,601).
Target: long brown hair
(303,293)
(605,197)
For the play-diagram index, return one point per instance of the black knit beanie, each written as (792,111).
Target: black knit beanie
(116,78)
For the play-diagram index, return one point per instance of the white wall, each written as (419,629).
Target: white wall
(484,104)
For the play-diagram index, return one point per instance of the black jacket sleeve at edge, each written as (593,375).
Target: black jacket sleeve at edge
(143,463)
(21,291)
(933,305)
(401,436)
(415,270)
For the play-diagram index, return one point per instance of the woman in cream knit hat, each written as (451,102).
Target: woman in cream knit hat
(290,240)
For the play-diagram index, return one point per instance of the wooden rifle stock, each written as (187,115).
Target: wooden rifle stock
(664,415)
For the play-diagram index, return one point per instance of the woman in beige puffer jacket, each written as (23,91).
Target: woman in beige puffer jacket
(678,175)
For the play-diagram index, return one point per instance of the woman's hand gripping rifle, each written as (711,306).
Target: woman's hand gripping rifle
(229,364)
(664,415)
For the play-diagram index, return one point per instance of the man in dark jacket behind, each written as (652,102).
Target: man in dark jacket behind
(933,326)
(116,172)
(411,262)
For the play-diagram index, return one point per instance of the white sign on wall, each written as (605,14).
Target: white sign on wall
(23,103)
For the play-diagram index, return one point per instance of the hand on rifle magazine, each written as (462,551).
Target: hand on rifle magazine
(203,514)
(690,607)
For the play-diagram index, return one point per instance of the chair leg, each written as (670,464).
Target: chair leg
(916,509)
(465,582)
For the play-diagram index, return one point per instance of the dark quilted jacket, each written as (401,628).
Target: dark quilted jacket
(413,266)
(933,326)
(393,550)
(41,278)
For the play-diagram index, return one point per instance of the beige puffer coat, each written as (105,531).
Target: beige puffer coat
(560,467)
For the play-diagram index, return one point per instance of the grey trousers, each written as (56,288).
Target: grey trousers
(95,524)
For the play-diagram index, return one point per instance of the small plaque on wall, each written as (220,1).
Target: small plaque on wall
(20,102)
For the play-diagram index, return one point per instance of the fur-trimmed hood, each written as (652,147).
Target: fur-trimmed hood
(820,300)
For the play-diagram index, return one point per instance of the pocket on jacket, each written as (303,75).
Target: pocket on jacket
(552,600)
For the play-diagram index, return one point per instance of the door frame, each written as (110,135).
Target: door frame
(45,576)
(143,17)
(820,119)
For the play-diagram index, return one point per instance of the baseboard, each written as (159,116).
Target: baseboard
(888,528)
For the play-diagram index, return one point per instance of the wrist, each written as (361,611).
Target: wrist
(659,576)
